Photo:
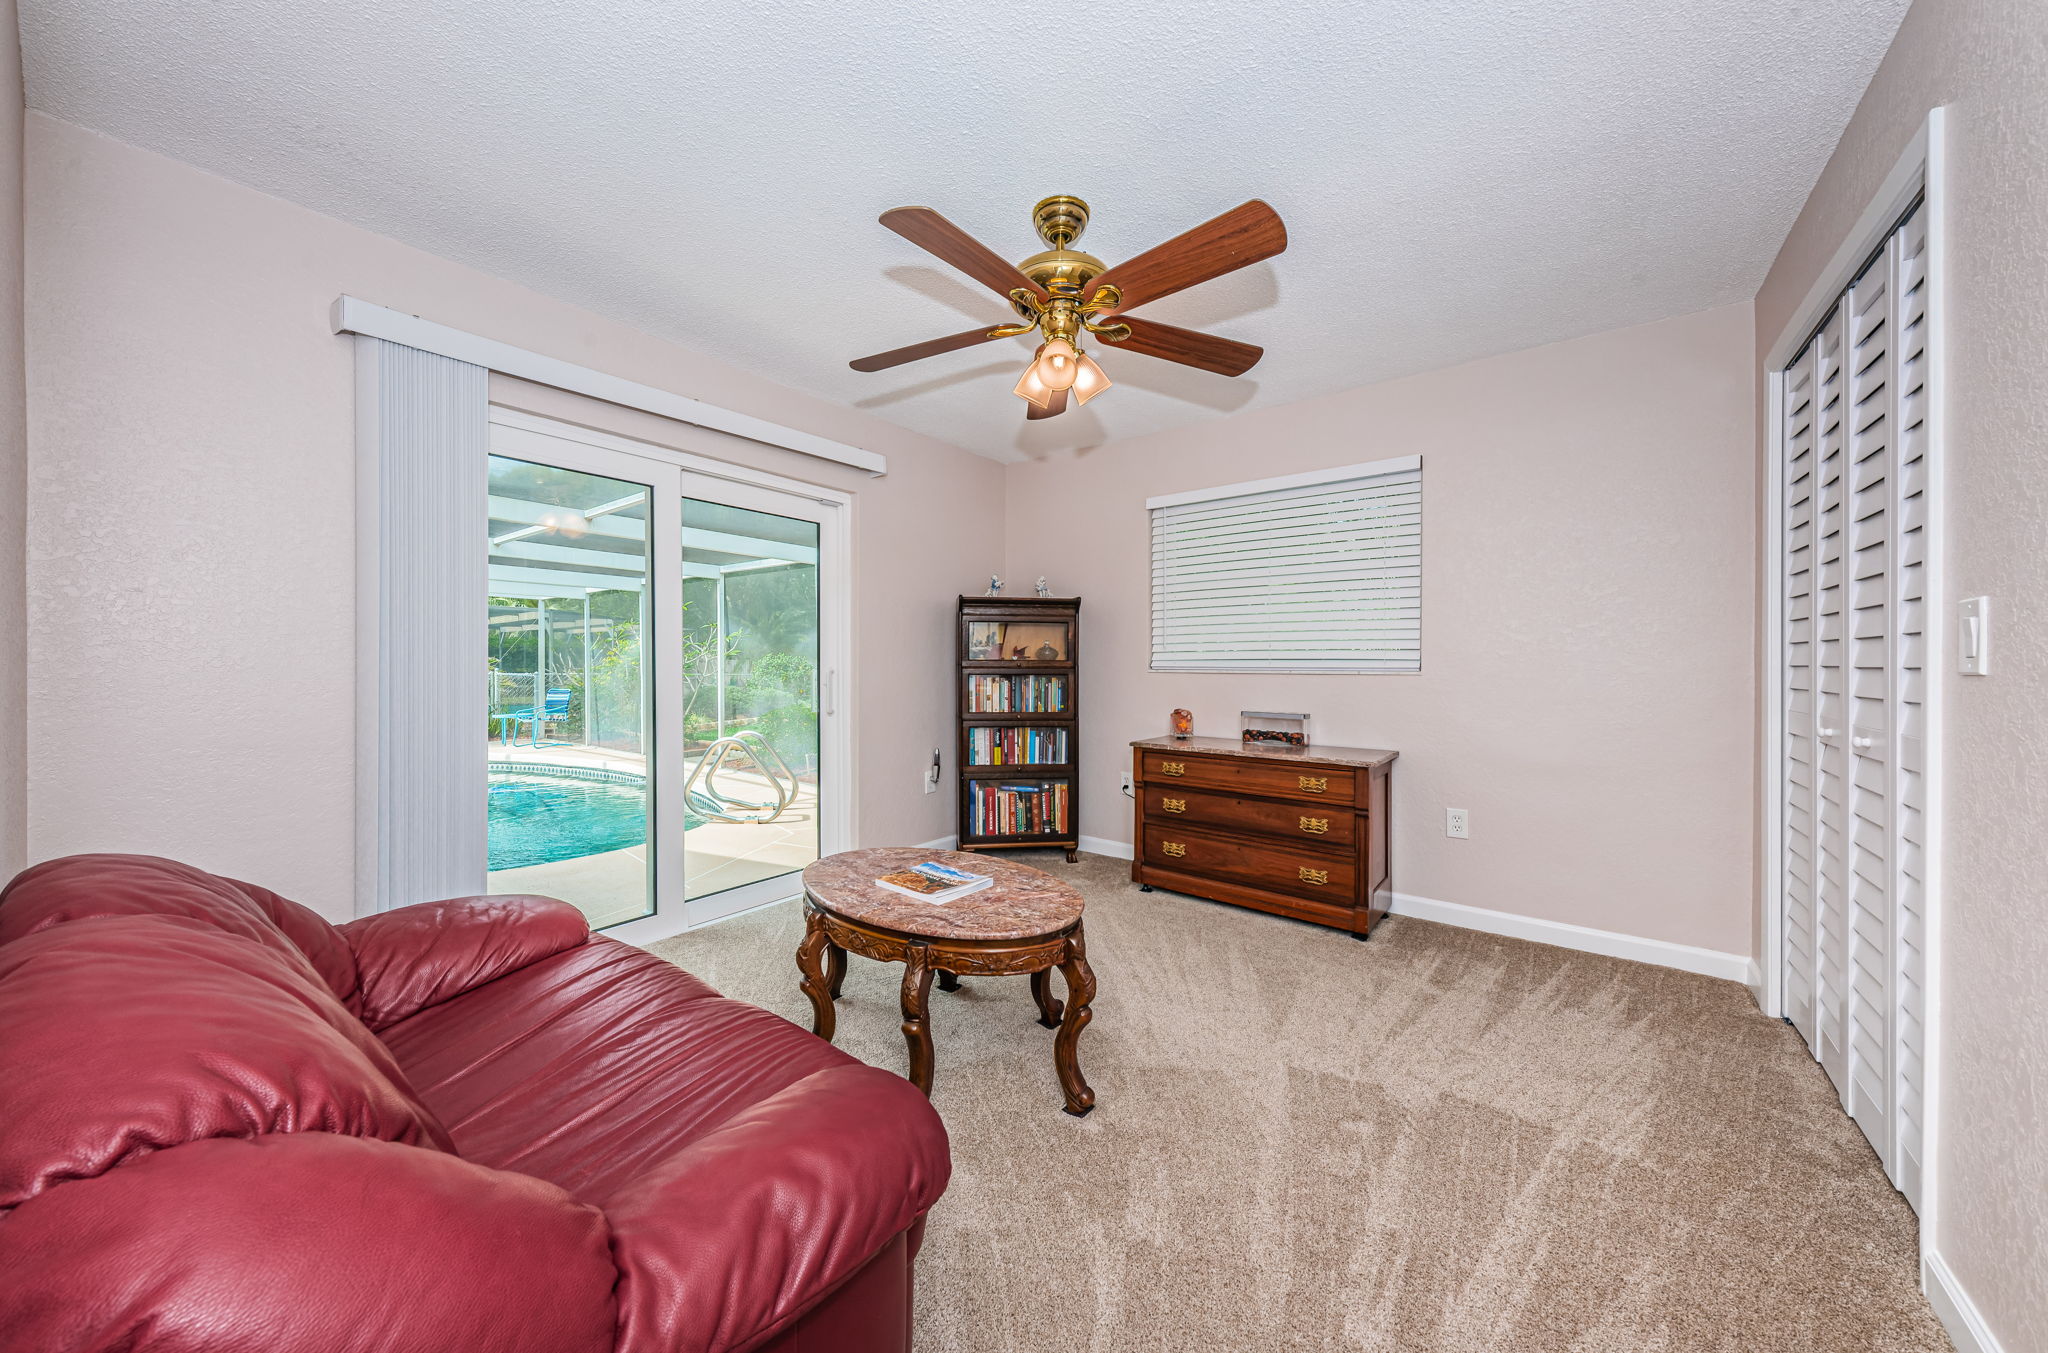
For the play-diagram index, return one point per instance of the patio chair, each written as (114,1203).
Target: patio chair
(552,710)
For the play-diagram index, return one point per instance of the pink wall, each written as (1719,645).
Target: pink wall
(1588,675)
(1987,61)
(13,468)
(192,543)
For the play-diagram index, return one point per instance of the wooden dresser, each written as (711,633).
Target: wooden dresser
(1301,831)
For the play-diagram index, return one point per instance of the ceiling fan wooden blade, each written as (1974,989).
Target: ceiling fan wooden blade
(1224,356)
(1236,239)
(931,347)
(1054,407)
(936,235)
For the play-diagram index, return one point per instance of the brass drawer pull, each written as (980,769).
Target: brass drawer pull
(1315,826)
(1315,784)
(1173,768)
(1180,806)
(1309,875)
(1172,848)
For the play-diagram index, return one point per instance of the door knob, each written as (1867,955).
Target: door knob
(1861,743)
(1828,732)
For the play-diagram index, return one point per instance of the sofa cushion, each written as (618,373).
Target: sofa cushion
(305,1243)
(413,957)
(82,886)
(125,1034)
(590,1067)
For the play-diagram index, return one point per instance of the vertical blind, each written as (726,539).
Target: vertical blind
(1317,573)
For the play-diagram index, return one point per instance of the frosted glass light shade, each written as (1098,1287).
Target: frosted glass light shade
(1089,379)
(1057,364)
(1031,388)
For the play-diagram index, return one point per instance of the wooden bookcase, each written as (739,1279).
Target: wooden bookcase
(1018,693)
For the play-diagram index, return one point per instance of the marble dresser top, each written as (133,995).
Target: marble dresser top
(1315,754)
(1022,903)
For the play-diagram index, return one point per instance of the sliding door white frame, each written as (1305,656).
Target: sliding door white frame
(532,437)
(1920,172)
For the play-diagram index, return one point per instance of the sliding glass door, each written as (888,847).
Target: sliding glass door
(663,643)
(751,714)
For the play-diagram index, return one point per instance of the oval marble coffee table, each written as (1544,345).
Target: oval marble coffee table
(1025,922)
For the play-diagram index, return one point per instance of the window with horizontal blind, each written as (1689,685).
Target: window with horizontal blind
(1316,572)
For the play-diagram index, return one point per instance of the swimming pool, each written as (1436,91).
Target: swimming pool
(538,819)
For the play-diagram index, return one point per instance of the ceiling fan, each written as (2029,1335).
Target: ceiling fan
(1064,293)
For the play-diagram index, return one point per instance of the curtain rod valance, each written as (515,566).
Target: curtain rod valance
(353,316)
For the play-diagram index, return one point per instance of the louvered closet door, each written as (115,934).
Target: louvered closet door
(1868,672)
(1831,792)
(1853,763)
(1801,757)
(1910,657)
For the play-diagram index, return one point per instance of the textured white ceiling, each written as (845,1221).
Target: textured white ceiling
(1458,177)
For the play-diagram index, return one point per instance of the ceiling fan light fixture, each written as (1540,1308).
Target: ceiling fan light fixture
(1031,388)
(1057,364)
(1090,380)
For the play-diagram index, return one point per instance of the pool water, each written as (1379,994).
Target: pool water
(536,819)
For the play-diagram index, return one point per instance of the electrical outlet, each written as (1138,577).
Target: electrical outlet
(1457,822)
(931,773)
(1126,783)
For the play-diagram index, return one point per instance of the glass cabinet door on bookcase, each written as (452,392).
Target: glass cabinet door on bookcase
(1028,641)
(1019,744)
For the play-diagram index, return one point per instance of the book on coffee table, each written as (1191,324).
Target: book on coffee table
(934,882)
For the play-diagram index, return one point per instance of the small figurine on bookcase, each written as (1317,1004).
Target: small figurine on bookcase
(1044,590)
(995,586)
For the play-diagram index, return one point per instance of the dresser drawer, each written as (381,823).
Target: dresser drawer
(1241,775)
(1333,828)
(1279,868)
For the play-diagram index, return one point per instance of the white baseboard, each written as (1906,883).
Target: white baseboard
(1755,982)
(1663,953)
(1102,845)
(943,843)
(1613,944)
(1953,1307)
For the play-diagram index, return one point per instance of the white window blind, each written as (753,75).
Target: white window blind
(1308,573)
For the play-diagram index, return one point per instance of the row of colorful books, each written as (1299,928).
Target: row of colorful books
(995,809)
(1016,694)
(1016,746)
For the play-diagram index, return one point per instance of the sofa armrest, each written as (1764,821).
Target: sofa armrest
(738,1234)
(412,957)
(305,1242)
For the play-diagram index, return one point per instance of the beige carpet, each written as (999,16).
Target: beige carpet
(1433,1141)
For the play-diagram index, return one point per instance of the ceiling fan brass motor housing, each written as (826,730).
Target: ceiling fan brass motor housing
(1060,270)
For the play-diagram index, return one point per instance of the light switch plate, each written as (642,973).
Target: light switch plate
(1973,636)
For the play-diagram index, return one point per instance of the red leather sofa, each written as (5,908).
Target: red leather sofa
(470,1125)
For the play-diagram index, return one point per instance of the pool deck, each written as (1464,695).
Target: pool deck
(611,887)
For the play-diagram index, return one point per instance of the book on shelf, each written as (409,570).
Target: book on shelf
(1006,694)
(1016,746)
(997,809)
(933,882)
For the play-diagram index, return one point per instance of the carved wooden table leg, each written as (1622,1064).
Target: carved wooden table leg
(917,1028)
(1065,1059)
(1048,1004)
(835,969)
(948,981)
(813,983)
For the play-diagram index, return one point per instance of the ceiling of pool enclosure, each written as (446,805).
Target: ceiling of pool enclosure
(561,535)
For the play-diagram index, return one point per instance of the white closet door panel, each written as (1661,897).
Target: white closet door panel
(1867,1087)
(1909,975)
(1831,740)
(1854,697)
(1799,761)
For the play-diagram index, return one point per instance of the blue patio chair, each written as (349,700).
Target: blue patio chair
(554,709)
